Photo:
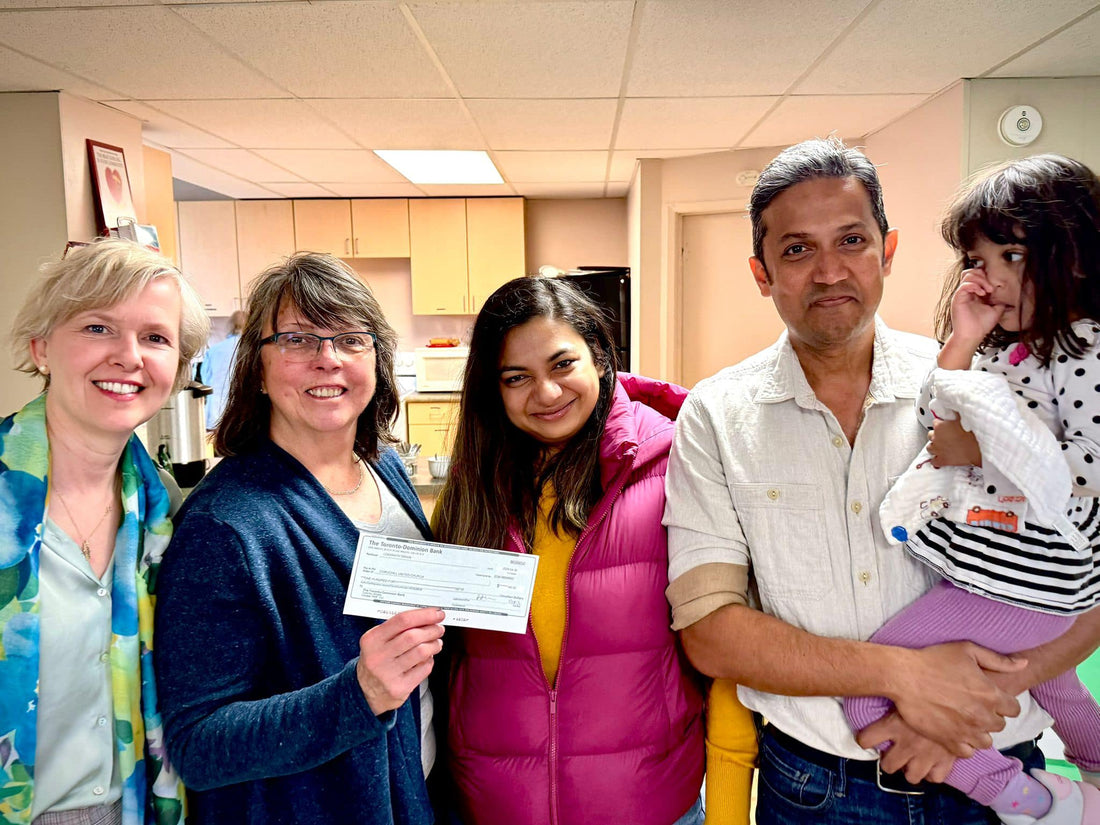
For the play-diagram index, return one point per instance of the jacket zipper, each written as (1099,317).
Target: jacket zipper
(604,507)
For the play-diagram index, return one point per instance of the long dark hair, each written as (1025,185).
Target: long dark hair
(1051,205)
(327,294)
(498,471)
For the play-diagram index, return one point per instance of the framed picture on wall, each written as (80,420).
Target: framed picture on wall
(110,185)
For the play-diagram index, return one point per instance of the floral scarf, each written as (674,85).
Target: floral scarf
(151,793)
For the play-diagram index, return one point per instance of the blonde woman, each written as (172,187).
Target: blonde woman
(110,330)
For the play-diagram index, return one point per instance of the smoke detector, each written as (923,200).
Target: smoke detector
(1020,125)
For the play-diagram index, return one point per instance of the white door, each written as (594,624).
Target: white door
(725,319)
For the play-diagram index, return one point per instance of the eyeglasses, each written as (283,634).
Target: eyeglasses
(305,346)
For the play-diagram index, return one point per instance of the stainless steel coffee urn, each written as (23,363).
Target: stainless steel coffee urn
(177,434)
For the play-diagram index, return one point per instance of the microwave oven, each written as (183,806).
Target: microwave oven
(440,369)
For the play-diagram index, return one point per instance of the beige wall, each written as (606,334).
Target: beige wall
(920,164)
(571,233)
(32,216)
(648,303)
(82,119)
(1070,108)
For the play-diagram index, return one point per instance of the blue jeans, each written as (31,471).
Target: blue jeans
(793,791)
(693,817)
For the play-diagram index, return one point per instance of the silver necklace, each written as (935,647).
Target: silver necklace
(358,484)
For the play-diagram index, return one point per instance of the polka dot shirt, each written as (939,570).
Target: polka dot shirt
(1065,396)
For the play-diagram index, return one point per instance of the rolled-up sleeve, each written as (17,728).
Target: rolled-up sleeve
(708,555)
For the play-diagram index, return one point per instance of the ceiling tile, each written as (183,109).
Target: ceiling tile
(923,47)
(751,47)
(158,56)
(688,123)
(531,50)
(166,130)
(548,167)
(335,165)
(375,190)
(1072,53)
(301,190)
(333,49)
(545,124)
(799,118)
(461,191)
(622,162)
(402,124)
(560,190)
(200,174)
(24,74)
(259,124)
(53,4)
(242,164)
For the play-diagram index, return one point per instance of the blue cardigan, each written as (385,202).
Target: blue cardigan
(265,719)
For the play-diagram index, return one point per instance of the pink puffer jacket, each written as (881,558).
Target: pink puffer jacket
(619,737)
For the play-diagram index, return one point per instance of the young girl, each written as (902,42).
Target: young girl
(1024,303)
(594,715)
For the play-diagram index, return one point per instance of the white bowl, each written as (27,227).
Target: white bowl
(438,465)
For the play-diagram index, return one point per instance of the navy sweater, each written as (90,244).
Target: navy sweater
(265,719)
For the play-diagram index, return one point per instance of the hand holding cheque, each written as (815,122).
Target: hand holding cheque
(476,587)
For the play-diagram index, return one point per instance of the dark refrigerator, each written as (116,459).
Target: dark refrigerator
(609,286)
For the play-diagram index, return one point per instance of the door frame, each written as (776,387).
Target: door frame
(672,275)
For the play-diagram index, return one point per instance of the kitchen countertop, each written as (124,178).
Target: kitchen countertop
(422,480)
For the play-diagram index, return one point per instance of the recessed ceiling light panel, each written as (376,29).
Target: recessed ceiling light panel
(441,166)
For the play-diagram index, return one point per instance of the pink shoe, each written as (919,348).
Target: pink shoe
(1075,803)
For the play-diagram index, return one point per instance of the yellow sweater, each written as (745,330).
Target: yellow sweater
(731,755)
(548,599)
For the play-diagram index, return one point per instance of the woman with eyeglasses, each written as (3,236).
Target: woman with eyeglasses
(279,708)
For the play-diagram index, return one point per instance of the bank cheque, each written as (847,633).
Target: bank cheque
(476,587)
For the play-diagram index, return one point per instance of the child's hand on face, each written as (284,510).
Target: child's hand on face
(973,312)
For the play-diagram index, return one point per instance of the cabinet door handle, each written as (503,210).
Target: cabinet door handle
(355,246)
(347,246)
(463,303)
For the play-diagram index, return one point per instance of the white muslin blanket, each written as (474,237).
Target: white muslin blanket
(1022,465)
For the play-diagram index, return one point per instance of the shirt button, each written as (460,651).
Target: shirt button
(98,790)
(838,441)
(865,577)
(101,721)
(101,592)
(773,494)
(104,657)
(856,507)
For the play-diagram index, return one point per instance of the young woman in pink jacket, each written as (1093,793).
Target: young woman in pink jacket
(593,715)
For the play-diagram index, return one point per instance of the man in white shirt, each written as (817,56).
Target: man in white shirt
(776,475)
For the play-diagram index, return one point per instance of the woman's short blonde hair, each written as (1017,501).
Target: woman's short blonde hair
(103,274)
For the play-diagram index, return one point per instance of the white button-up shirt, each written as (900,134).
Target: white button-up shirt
(761,475)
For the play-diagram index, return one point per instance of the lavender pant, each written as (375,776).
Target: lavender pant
(949,614)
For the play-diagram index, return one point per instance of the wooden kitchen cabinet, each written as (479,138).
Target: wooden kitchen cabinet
(431,425)
(208,253)
(437,246)
(265,235)
(462,250)
(380,228)
(495,245)
(323,226)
